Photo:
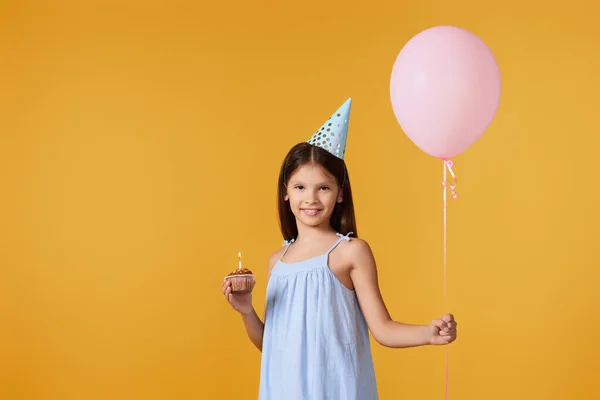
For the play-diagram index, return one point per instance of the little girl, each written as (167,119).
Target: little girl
(322,292)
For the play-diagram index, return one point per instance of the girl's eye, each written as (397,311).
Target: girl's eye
(300,187)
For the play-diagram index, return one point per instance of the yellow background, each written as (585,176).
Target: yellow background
(139,150)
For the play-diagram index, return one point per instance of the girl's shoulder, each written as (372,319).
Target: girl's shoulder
(356,247)
(275,256)
(356,253)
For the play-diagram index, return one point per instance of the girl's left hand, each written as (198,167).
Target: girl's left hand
(442,330)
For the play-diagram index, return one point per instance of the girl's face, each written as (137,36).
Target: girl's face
(312,192)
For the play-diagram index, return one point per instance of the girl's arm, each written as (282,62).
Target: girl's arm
(254,326)
(386,331)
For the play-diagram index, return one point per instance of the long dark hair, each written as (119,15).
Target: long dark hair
(342,218)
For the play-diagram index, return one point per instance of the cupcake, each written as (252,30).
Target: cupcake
(241,280)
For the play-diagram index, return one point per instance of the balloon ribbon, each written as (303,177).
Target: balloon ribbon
(449,192)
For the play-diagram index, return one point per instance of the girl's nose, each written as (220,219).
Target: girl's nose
(310,199)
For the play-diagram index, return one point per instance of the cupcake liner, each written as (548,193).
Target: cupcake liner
(241,283)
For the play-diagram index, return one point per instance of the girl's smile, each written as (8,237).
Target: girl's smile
(311,212)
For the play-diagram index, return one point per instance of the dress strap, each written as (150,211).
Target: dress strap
(286,243)
(342,238)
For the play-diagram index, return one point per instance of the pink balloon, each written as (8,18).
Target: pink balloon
(445,90)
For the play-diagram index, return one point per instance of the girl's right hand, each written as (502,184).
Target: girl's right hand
(241,302)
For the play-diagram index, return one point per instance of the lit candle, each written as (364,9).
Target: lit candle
(240,260)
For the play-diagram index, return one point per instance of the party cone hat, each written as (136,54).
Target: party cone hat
(333,134)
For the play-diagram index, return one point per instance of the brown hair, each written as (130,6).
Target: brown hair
(342,217)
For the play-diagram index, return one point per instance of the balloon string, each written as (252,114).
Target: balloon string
(448,191)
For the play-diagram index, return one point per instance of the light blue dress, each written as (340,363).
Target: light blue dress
(316,340)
